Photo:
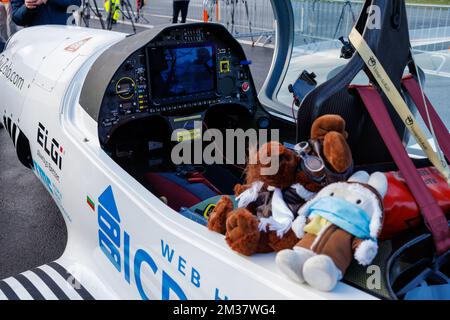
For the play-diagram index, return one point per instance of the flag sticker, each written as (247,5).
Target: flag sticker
(90,203)
(77,45)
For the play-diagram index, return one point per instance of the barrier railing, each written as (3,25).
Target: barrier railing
(320,20)
(251,19)
(319,24)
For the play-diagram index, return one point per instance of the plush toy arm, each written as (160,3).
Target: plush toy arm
(218,218)
(337,152)
(305,209)
(239,188)
(250,194)
(365,251)
(328,123)
(298,225)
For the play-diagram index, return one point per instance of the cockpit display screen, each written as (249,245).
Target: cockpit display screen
(181,71)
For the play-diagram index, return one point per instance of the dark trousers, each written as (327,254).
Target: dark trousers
(180,6)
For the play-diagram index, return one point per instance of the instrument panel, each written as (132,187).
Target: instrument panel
(181,71)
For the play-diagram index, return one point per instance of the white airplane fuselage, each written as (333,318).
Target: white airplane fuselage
(123,242)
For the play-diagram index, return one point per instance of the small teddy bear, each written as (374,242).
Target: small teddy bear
(262,200)
(341,223)
(268,203)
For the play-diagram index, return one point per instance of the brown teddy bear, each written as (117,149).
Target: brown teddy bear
(268,203)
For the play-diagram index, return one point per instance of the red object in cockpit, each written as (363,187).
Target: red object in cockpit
(401,210)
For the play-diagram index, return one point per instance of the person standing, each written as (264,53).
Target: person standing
(3,27)
(180,6)
(7,26)
(29,13)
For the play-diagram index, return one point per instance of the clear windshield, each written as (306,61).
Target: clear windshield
(319,24)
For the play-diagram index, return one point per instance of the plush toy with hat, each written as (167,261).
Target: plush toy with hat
(340,223)
(269,201)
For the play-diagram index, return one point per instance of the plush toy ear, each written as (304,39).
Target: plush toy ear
(360,176)
(379,181)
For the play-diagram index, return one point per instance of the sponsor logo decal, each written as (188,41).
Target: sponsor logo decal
(7,71)
(372,62)
(45,179)
(409,121)
(50,146)
(132,263)
(48,165)
(51,187)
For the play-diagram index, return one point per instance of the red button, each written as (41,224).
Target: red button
(245,86)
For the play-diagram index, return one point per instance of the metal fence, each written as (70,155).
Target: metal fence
(319,24)
(323,20)
(252,19)
(318,20)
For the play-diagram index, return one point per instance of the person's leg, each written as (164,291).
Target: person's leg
(12,28)
(184,10)
(3,22)
(176,11)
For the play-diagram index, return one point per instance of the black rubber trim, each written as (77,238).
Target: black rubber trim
(8,126)
(13,134)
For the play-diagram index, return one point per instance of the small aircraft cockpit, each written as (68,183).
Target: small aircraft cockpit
(170,90)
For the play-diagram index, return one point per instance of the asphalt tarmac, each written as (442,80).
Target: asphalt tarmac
(32,230)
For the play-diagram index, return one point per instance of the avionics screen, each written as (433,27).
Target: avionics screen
(181,71)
